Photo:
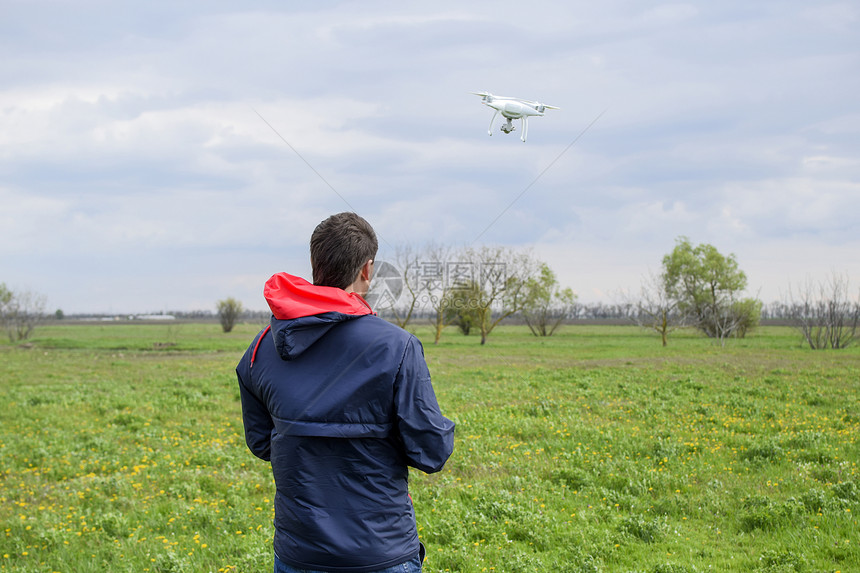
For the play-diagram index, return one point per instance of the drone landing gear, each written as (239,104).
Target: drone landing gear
(492,119)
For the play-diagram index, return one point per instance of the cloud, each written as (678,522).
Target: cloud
(131,152)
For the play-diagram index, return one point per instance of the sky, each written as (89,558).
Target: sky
(161,156)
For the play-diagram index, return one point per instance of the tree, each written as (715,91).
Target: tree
(656,309)
(397,288)
(547,305)
(706,286)
(747,314)
(463,308)
(229,311)
(502,276)
(823,313)
(20,312)
(436,286)
(6,297)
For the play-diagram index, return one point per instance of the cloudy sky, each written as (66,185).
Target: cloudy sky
(164,155)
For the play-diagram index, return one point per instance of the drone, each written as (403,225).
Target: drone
(512,108)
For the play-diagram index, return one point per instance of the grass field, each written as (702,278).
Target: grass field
(593,450)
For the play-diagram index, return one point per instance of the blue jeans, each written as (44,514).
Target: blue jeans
(411,566)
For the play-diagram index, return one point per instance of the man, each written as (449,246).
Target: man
(340,402)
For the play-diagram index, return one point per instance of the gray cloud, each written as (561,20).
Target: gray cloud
(131,152)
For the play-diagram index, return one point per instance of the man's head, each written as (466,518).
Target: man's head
(341,247)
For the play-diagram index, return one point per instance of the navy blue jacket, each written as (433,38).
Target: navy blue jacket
(340,402)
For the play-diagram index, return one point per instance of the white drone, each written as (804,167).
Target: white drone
(512,108)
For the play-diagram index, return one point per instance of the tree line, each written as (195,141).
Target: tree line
(700,287)
(474,289)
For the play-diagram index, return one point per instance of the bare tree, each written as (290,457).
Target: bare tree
(20,312)
(734,318)
(824,314)
(503,283)
(397,287)
(656,309)
(436,285)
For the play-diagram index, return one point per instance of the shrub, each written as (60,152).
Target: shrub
(229,311)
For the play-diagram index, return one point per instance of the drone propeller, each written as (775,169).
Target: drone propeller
(486,96)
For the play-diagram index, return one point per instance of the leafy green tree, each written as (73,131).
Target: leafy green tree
(546,304)
(747,314)
(6,297)
(463,309)
(229,311)
(706,285)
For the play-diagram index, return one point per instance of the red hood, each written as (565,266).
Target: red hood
(293,297)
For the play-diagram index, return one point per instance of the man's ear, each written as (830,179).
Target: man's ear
(367,270)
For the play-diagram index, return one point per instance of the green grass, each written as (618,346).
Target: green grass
(593,450)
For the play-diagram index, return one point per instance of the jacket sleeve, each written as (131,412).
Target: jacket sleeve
(255,416)
(428,436)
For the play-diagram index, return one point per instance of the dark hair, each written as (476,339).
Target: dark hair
(340,246)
